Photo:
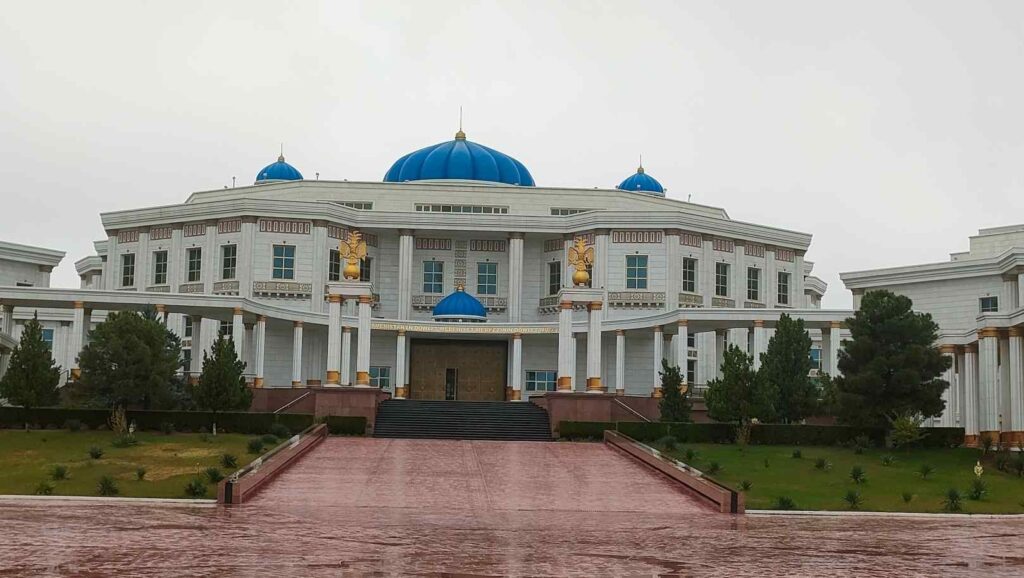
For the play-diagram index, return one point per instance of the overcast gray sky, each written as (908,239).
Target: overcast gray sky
(889,130)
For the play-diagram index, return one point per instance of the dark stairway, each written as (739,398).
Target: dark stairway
(462,420)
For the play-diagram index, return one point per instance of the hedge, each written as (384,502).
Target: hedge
(346,425)
(184,421)
(583,430)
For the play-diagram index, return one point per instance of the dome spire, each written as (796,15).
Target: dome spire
(640,168)
(460,135)
(280,157)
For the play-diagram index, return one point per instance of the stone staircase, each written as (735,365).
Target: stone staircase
(462,420)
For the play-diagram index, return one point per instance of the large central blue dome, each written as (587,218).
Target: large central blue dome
(459,159)
(460,306)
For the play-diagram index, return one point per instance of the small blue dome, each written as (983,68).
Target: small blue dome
(460,306)
(279,171)
(459,159)
(642,182)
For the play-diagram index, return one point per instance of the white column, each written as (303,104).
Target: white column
(363,343)
(346,355)
(333,339)
(517,367)
(1010,299)
(771,293)
(7,327)
(238,332)
(659,354)
(739,277)
(682,349)
(674,269)
(798,281)
(573,365)
(515,277)
(738,337)
(706,276)
(1020,289)
(211,259)
(720,347)
(947,418)
(988,372)
(75,342)
(400,367)
(970,406)
(1016,359)
(834,343)
(594,384)
(564,346)
(259,350)
(249,348)
(142,266)
(601,263)
(957,395)
(405,250)
(321,258)
(246,257)
(296,354)
(760,342)
(195,366)
(620,362)
(112,267)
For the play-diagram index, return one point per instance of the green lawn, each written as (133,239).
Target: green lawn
(171,461)
(814,489)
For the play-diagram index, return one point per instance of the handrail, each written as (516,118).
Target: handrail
(633,411)
(293,402)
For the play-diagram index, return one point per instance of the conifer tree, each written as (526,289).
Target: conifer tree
(221,387)
(675,403)
(32,376)
(739,396)
(785,368)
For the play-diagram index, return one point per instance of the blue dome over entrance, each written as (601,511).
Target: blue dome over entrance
(279,171)
(459,159)
(643,183)
(460,306)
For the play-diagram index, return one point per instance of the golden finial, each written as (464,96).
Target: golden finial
(581,257)
(280,157)
(460,287)
(640,168)
(353,249)
(460,135)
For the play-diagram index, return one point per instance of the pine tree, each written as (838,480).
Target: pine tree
(32,376)
(890,366)
(739,396)
(221,387)
(785,368)
(675,403)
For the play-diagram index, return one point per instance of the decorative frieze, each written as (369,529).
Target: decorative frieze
(159,289)
(285,226)
(753,305)
(191,288)
(691,300)
(229,226)
(655,237)
(636,298)
(552,245)
(282,288)
(425,244)
(128,236)
(755,250)
(690,239)
(462,328)
(784,255)
(722,302)
(226,287)
(194,229)
(337,232)
(723,245)
(159,233)
(488,245)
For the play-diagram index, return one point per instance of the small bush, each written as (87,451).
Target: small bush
(858,475)
(925,471)
(95,452)
(822,464)
(690,454)
(45,488)
(255,446)
(766,464)
(853,499)
(124,441)
(987,443)
(888,460)
(167,428)
(229,461)
(978,489)
(667,442)
(954,501)
(214,475)
(107,486)
(907,497)
(59,472)
(280,431)
(269,439)
(714,468)
(205,438)
(140,473)
(797,454)
(784,503)
(196,488)
(745,485)
(73,425)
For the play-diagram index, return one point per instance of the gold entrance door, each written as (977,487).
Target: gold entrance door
(463,370)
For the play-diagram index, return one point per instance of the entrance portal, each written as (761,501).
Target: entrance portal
(463,370)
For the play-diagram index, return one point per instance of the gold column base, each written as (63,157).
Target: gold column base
(517,395)
(257,382)
(992,435)
(193,379)
(656,394)
(76,374)
(971,441)
(620,392)
(594,384)
(333,377)
(1011,438)
(362,378)
(564,383)
(296,383)
(400,393)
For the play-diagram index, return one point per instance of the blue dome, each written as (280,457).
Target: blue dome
(459,159)
(460,306)
(642,182)
(279,171)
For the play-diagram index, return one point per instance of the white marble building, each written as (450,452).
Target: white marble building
(25,266)
(671,279)
(976,299)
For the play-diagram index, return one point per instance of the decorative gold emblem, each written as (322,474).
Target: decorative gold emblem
(581,258)
(978,470)
(353,250)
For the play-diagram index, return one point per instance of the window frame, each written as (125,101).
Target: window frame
(784,279)
(128,270)
(283,266)
(531,381)
(334,265)
(160,276)
(753,284)
(554,277)
(637,275)
(994,308)
(722,271)
(434,284)
(487,282)
(693,273)
(365,268)
(228,272)
(194,256)
(376,376)
(48,331)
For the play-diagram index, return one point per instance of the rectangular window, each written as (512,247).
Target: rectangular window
(816,359)
(48,338)
(227,329)
(284,262)
(722,279)
(554,277)
(188,327)
(433,276)
(364,269)
(380,376)
(753,284)
(128,270)
(783,288)
(636,271)
(691,340)
(989,304)
(228,261)
(691,371)
(486,278)
(689,275)
(540,380)
(160,267)
(195,264)
(334,266)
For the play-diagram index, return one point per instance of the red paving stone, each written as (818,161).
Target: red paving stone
(357,507)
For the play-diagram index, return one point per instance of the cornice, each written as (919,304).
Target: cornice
(30,254)
(1001,264)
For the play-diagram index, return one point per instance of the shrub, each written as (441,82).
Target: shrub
(140,473)
(797,454)
(196,488)
(269,439)
(124,441)
(229,461)
(214,475)
(59,472)
(73,425)
(907,497)
(766,464)
(690,454)
(888,460)
(986,443)
(784,503)
(255,446)
(925,471)
(45,488)
(822,464)
(167,427)
(205,438)
(107,486)
(95,452)
(667,442)
(858,475)
(853,499)
(978,489)
(954,501)
(745,485)
(714,468)
(280,431)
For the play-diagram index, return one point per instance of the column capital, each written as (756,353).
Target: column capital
(971,348)
(296,324)
(835,324)
(77,304)
(367,299)
(517,336)
(401,333)
(406,232)
(620,332)
(658,329)
(565,305)
(947,349)
(237,311)
(759,323)
(1015,331)
(346,329)
(988,332)
(516,235)
(262,318)
(335,299)
(160,308)
(594,306)
(682,323)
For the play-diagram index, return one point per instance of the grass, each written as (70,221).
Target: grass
(170,462)
(817,488)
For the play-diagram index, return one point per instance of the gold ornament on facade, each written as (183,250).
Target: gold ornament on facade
(353,250)
(581,258)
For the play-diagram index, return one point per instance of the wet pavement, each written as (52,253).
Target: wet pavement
(358,507)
